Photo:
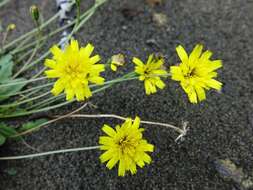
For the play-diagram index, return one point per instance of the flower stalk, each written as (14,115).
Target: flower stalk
(49,153)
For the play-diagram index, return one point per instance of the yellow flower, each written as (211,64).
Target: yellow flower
(196,72)
(117,60)
(11,27)
(74,69)
(126,146)
(150,73)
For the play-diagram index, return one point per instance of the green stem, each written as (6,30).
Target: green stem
(29,90)
(46,102)
(22,43)
(78,13)
(28,95)
(32,32)
(49,107)
(54,32)
(25,101)
(38,60)
(39,73)
(28,61)
(24,55)
(23,113)
(53,99)
(89,13)
(49,100)
(114,81)
(22,82)
(17,50)
(4,2)
(49,153)
(5,35)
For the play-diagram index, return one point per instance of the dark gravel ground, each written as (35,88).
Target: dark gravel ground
(220,128)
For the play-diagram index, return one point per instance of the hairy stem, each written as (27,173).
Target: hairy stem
(49,153)
(123,118)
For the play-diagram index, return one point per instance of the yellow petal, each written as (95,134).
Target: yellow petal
(97,80)
(87,92)
(146,158)
(214,84)
(193,97)
(113,67)
(150,58)
(105,147)
(50,63)
(56,51)
(109,131)
(122,168)
(206,55)
(98,68)
(148,87)
(79,92)
(136,122)
(132,168)
(160,84)
(176,73)
(58,87)
(140,163)
(112,162)
(95,59)
(200,93)
(182,54)
(141,77)
(69,94)
(53,74)
(105,140)
(106,156)
(214,65)
(74,45)
(160,73)
(88,50)
(195,54)
(148,147)
(137,61)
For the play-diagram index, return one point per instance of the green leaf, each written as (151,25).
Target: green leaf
(6,66)
(2,139)
(11,112)
(11,171)
(6,130)
(6,92)
(31,125)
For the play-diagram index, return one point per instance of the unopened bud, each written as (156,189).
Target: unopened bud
(35,13)
(11,27)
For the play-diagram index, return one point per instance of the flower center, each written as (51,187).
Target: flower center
(191,73)
(147,73)
(126,143)
(73,71)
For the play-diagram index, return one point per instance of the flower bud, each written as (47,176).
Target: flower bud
(117,60)
(35,13)
(11,27)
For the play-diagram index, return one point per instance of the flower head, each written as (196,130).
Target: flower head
(11,27)
(117,60)
(74,69)
(196,72)
(150,73)
(126,146)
